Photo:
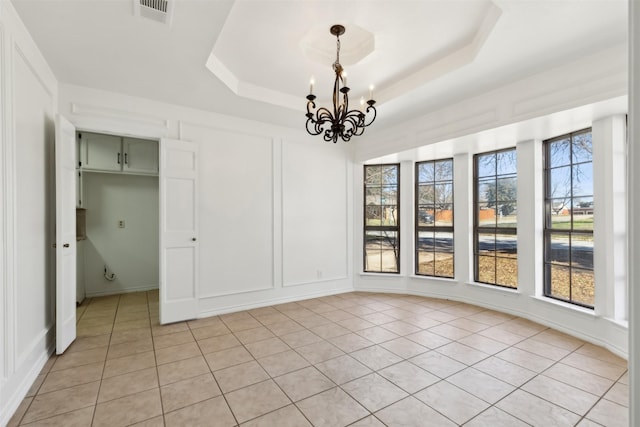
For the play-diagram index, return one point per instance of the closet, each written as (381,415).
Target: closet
(117,215)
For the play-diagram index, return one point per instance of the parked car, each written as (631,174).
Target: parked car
(425,217)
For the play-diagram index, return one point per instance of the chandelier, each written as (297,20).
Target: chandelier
(342,123)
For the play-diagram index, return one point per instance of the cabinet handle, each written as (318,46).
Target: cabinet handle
(125,159)
(118,158)
(193,239)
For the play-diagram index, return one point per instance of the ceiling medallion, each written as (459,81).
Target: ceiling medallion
(342,123)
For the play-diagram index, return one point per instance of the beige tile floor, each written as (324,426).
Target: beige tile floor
(355,359)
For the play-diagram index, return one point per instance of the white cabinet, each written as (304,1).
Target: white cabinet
(107,153)
(100,152)
(140,155)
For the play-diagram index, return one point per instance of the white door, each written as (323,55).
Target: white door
(178,230)
(65,233)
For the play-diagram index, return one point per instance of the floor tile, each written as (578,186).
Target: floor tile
(66,378)
(580,379)
(332,408)
(202,414)
(129,348)
(595,366)
(481,385)
(124,385)
(542,349)
(227,358)
(289,416)
(374,392)
(559,339)
(370,421)
(187,392)
(619,394)
(408,376)
(609,414)
(499,334)
(561,394)
(438,364)
(221,342)
(482,343)
(79,358)
(428,339)
(177,352)
(376,357)
(285,327)
(343,369)
(209,331)
(282,363)
(601,353)
(452,402)
(303,383)
(300,338)
(494,417)
(58,402)
(411,412)
(404,348)
(182,369)
(505,371)
(350,342)
(267,347)
(256,400)
(253,335)
(536,411)
(462,353)
(78,418)
(449,331)
(170,340)
(88,343)
(377,334)
(525,359)
(319,352)
(35,387)
(119,337)
(123,365)
(240,376)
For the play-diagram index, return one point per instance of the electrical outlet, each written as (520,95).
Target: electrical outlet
(121,223)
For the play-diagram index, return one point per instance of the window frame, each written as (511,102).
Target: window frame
(548,230)
(394,228)
(433,228)
(495,230)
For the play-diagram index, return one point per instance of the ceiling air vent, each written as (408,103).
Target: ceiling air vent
(158,10)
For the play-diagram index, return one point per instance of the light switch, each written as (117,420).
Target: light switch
(121,223)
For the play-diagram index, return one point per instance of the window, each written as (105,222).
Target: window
(568,231)
(495,218)
(434,218)
(381,218)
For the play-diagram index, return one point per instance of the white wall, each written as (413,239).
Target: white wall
(28,104)
(131,253)
(275,204)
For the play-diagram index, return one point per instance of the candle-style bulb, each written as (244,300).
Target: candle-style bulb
(371,87)
(311,83)
(344,78)
(362,103)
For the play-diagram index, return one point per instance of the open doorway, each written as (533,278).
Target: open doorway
(117,219)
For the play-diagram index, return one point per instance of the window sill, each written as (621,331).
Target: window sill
(444,280)
(500,289)
(384,274)
(565,305)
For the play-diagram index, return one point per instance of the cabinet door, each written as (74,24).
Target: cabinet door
(101,152)
(140,155)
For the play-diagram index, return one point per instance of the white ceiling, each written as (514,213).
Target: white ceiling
(425,55)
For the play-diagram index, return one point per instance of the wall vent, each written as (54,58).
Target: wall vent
(157,10)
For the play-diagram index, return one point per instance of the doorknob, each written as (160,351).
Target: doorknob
(66,245)
(193,239)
